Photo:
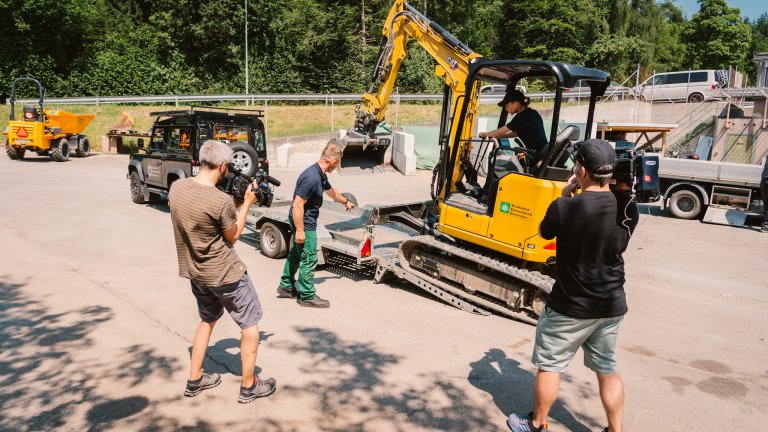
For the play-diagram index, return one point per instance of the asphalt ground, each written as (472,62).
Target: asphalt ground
(96,327)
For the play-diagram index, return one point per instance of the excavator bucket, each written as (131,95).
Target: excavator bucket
(366,154)
(126,123)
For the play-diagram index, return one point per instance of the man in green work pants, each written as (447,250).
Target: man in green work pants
(307,200)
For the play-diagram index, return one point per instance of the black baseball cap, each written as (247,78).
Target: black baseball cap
(512,95)
(596,155)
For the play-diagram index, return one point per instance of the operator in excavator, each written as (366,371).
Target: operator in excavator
(526,125)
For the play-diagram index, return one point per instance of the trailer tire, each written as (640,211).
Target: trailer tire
(60,151)
(273,240)
(685,204)
(15,154)
(84,149)
(137,189)
(350,197)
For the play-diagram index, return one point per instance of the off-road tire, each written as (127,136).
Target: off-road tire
(695,98)
(137,189)
(60,150)
(15,154)
(84,149)
(685,204)
(245,158)
(273,240)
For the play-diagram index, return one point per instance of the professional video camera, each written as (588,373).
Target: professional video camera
(639,172)
(236,183)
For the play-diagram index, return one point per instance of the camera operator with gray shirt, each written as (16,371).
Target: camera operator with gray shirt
(587,303)
(206,225)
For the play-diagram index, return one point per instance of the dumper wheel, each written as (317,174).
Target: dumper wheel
(60,150)
(84,149)
(137,189)
(273,240)
(685,204)
(16,154)
(245,158)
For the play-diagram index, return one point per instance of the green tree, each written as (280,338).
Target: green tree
(759,44)
(716,37)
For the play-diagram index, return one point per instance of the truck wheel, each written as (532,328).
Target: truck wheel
(685,204)
(137,189)
(60,151)
(350,197)
(84,149)
(15,154)
(273,240)
(245,158)
(696,98)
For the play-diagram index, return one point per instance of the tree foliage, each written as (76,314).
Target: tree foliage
(131,47)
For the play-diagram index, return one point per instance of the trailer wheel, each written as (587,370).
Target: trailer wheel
(15,154)
(60,151)
(137,189)
(84,149)
(273,240)
(685,204)
(350,197)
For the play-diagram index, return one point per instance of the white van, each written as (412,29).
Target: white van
(692,86)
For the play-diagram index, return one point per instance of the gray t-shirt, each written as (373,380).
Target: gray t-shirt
(200,214)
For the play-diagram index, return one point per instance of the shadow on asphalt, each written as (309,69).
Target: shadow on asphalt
(511,388)
(223,356)
(42,387)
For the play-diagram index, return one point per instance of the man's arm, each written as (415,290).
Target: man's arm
(232,233)
(297,211)
(336,196)
(502,132)
(549,225)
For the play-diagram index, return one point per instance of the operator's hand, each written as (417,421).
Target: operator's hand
(570,187)
(349,205)
(249,197)
(300,237)
(483,135)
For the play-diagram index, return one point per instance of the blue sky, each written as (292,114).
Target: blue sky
(749,8)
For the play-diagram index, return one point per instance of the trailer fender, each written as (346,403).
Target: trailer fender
(684,185)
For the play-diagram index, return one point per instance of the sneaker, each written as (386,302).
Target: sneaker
(287,293)
(518,423)
(315,302)
(260,388)
(208,380)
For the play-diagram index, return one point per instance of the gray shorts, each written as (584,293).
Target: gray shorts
(238,298)
(558,337)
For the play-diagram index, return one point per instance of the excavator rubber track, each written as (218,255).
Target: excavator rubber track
(476,277)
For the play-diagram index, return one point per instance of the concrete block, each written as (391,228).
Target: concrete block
(404,163)
(484,125)
(282,155)
(403,143)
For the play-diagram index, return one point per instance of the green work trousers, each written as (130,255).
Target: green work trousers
(302,258)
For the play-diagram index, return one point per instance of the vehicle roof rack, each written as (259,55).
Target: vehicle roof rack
(209,109)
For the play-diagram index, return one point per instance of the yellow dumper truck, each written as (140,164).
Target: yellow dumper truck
(44,131)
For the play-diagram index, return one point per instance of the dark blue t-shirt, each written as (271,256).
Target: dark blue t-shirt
(530,128)
(311,185)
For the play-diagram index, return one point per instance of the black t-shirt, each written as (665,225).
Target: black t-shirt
(311,185)
(530,128)
(592,230)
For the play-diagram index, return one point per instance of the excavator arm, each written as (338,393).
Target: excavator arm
(404,23)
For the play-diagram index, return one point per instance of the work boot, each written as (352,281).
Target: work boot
(204,382)
(315,302)
(260,388)
(287,293)
(764,229)
(519,423)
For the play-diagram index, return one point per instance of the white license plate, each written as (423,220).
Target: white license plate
(195,170)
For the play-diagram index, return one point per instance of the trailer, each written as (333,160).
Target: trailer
(723,192)
(370,237)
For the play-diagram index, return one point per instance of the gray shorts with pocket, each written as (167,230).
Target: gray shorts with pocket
(558,337)
(238,298)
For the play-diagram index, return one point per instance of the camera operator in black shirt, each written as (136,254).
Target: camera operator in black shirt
(587,303)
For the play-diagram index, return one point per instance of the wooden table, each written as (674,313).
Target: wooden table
(115,139)
(644,129)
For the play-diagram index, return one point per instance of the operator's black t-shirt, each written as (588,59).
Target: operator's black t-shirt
(311,185)
(592,230)
(530,128)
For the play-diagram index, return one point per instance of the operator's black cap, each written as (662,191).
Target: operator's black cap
(512,95)
(596,155)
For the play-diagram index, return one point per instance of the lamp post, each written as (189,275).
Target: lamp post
(246,48)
